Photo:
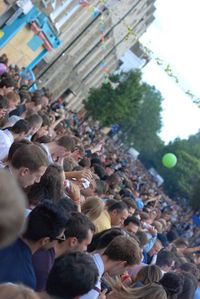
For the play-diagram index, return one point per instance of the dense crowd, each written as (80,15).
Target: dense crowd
(79,217)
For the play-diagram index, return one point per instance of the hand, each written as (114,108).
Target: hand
(85,173)
(74,192)
(152,231)
(103,294)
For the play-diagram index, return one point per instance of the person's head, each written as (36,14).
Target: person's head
(13,100)
(44,129)
(12,209)
(131,224)
(15,291)
(101,240)
(99,170)
(156,248)
(132,207)
(189,286)
(20,129)
(92,207)
(150,291)
(113,180)
(158,226)
(72,275)
(51,185)
(7,85)
(79,232)
(165,260)
(181,244)
(189,268)
(149,274)
(25,96)
(118,213)
(36,103)
(142,237)
(65,144)
(28,164)
(121,253)
(172,284)
(46,224)
(35,122)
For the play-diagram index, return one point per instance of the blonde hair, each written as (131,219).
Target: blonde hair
(149,274)
(92,207)
(14,291)
(150,291)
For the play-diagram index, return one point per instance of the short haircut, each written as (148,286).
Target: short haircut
(20,126)
(132,219)
(78,226)
(3,102)
(72,275)
(149,274)
(100,171)
(30,156)
(172,284)
(45,120)
(107,237)
(8,82)
(119,206)
(124,248)
(12,209)
(37,100)
(34,119)
(25,95)
(13,96)
(164,258)
(142,237)
(67,142)
(46,220)
(15,145)
(180,242)
(130,202)
(67,205)
(85,162)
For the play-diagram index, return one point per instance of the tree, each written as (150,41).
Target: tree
(120,106)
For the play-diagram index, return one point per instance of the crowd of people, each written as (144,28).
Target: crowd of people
(79,217)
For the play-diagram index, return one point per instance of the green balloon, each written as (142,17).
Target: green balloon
(169,160)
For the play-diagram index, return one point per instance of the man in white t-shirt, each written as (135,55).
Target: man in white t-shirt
(121,254)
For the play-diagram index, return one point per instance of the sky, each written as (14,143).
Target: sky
(174,37)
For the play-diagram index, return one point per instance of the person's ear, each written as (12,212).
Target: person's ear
(24,171)
(73,242)
(44,241)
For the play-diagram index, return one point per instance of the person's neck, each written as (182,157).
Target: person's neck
(108,264)
(13,134)
(51,146)
(33,246)
(62,248)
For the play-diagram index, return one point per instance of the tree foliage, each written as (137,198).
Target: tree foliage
(120,106)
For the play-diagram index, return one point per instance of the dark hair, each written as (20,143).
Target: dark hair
(100,171)
(130,202)
(25,95)
(78,226)
(7,82)
(36,99)
(102,240)
(50,185)
(46,220)
(15,145)
(30,156)
(164,258)
(20,126)
(67,205)
(172,235)
(72,275)
(67,142)
(85,162)
(172,284)
(132,219)
(189,286)
(3,103)
(190,267)
(119,206)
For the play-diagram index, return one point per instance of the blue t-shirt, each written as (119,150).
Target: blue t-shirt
(16,265)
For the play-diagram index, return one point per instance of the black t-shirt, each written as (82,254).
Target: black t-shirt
(18,111)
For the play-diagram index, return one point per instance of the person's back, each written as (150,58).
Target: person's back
(45,223)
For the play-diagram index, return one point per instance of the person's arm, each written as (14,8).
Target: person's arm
(191,250)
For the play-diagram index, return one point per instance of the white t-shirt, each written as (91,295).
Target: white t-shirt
(48,153)
(6,140)
(94,294)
